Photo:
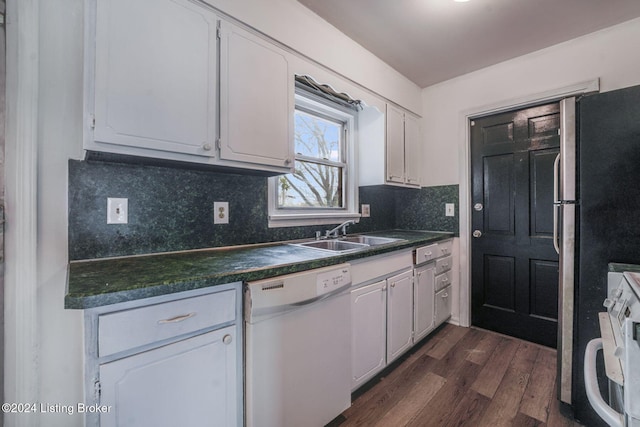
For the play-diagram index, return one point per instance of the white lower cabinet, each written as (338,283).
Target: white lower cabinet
(368,338)
(166,361)
(399,314)
(443,305)
(423,297)
(190,382)
(397,305)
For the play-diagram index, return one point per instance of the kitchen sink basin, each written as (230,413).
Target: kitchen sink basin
(347,244)
(369,240)
(334,245)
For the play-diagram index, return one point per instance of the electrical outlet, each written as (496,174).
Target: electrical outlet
(449,209)
(117,211)
(365,210)
(221,212)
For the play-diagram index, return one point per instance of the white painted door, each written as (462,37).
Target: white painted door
(188,383)
(395,145)
(399,314)
(368,332)
(155,76)
(412,150)
(257,100)
(423,305)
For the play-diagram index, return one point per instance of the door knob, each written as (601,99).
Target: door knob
(478,207)
(477,233)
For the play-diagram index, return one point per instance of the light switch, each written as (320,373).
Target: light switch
(117,210)
(449,209)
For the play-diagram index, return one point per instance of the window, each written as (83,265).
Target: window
(323,188)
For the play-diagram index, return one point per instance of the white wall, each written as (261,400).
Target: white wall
(610,54)
(607,54)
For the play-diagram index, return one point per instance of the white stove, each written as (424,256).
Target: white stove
(620,342)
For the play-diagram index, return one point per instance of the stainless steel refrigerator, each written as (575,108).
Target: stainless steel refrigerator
(597,211)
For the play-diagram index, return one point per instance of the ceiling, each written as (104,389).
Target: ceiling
(430,41)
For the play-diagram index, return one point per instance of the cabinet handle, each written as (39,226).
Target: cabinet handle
(445,265)
(427,254)
(207,147)
(445,295)
(393,285)
(287,161)
(445,279)
(227,339)
(176,319)
(384,288)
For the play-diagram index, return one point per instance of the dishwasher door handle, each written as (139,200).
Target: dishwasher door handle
(606,412)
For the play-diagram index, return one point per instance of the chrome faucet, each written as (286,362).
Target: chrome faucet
(334,231)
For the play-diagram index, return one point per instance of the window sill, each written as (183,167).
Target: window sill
(297,220)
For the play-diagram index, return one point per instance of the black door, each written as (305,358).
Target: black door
(514,267)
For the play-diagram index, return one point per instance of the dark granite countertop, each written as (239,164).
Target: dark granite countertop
(94,283)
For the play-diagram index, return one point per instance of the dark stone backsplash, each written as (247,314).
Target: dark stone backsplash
(171,209)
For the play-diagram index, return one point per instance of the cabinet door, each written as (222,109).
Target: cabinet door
(368,332)
(257,100)
(395,145)
(412,151)
(399,314)
(155,76)
(190,383)
(424,282)
(443,305)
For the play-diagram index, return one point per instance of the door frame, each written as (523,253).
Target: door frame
(21,366)
(464,156)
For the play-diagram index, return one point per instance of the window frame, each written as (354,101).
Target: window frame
(310,103)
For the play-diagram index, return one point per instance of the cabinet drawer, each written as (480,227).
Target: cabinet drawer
(379,266)
(443,305)
(445,248)
(443,280)
(128,329)
(426,253)
(443,264)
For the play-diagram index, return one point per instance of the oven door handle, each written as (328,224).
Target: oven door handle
(608,414)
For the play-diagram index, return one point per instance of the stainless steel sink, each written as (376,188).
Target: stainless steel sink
(334,245)
(370,240)
(347,244)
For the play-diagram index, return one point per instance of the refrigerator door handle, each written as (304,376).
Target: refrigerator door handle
(556,203)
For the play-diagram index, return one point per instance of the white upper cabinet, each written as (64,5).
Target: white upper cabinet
(389,147)
(257,100)
(168,79)
(411,150)
(395,145)
(155,77)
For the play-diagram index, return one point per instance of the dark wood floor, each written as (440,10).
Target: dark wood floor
(463,377)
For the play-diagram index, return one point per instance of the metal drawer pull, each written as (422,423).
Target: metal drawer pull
(176,319)
(227,339)
(445,279)
(445,264)
(426,254)
(393,285)
(445,295)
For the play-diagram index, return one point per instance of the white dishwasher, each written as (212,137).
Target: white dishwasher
(298,348)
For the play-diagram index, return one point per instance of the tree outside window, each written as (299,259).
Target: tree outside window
(319,172)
